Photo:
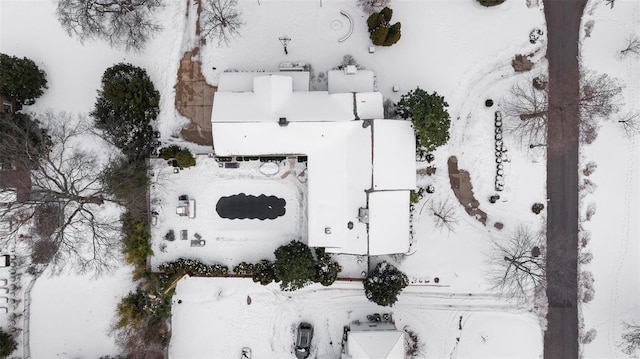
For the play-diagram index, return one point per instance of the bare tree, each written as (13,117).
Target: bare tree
(67,202)
(371,6)
(444,215)
(221,20)
(529,108)
(630,343)
(123,23)
(518,264)
(632,44)
(630,122)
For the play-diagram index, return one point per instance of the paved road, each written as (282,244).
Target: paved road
(563,24)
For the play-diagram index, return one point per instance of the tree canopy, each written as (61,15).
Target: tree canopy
(384,283)
(429,115)
(126,105)
(7,344)
(294,266)
(21,79)
(123,23)
(23,141)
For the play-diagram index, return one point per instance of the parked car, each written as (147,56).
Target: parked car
(303,340)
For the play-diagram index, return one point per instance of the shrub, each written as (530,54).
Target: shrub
(193,267)
(489,3)
(132,309)
(7,344)
(21,79)
(243,268)
(326,270)
(384,283)
(294,266)
(494,198)
(136,246)
(263,272)
(537,208)
(182,156)
(381,32)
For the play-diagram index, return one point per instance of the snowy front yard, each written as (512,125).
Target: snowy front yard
(213,316)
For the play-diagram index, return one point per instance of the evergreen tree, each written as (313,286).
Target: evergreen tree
(126,105)
(429,115)
(7,344)
(294,266)
(384,283)
(21,79)
(381,32)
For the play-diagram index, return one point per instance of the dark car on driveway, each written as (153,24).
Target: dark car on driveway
(303,340)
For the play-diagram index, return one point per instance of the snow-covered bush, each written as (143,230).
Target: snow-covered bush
(384,283)
(263,272)
(193,267)
(370,6)
(326,269)
(243,268)
(537,208)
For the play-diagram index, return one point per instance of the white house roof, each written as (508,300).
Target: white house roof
(376,344)
(393,141)
(368,105)
(315,106)
(243,81)
(388,222)
(342,155)
(342,82)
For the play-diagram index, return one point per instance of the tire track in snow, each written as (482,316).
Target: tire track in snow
(622,253)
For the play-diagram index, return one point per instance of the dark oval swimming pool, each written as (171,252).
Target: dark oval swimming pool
(242,206)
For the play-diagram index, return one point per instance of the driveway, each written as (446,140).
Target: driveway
(563,29)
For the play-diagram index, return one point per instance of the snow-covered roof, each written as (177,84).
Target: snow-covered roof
(311,106)
(340,81)
(368,105)
(388,222)
(379,344)
(342,156)
(243,81)
(393,140)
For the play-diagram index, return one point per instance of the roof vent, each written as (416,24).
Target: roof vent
(283,121)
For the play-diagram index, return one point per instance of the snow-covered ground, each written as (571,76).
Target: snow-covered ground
(457,48)
(614,229)
(214,317)
(71,315)
(226,241)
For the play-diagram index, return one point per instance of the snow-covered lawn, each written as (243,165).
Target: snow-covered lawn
(71,315)
(614,229)
(214,318)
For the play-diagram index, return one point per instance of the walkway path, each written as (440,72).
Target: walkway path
(563,28)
